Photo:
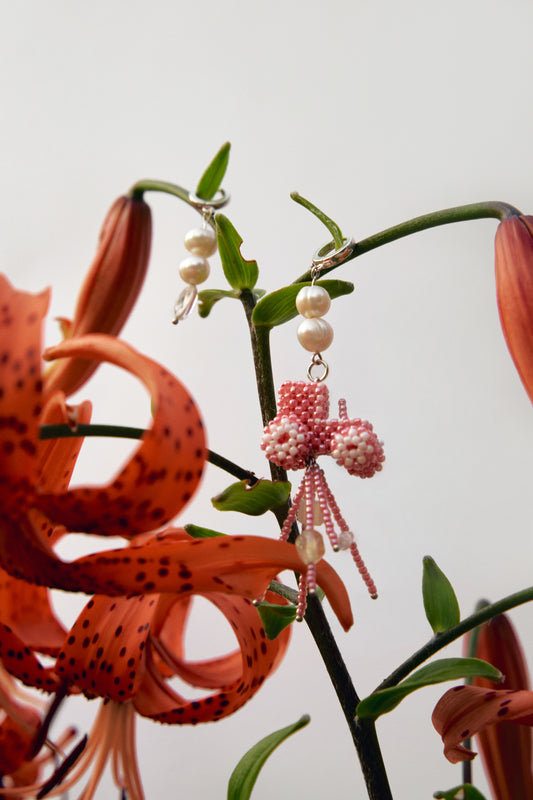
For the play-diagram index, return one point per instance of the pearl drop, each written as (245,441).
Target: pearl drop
(194,270)
(201,242)
(315,334)
(310,546)
(313,301)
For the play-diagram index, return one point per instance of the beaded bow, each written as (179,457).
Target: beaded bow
(300,432)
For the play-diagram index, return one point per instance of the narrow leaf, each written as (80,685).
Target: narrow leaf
(275,618)
(444,669)
(210,181)
(201,533)
(440,602)
(253,500)
(245,774)
(240,274)
(208,297)
(280,306)
(464,792)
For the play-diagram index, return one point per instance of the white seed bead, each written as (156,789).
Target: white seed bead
(201,242)
(315,334)
(194,270)
(313,301)
(310,546)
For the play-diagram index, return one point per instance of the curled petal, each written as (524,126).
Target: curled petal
(21,316)
(514,287)
(18,659)
(110,288)
(465,710)
(237,678)
(163,473)
(105,650)
(242,565)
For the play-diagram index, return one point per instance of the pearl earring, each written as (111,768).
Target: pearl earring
(201,243)
(302,431)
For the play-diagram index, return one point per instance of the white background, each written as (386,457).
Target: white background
(378,112)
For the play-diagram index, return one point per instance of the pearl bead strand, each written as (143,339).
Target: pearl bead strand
(194,269)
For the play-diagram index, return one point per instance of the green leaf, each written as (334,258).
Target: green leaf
(275,618)
(210,181)
(240,274)
(245,774)
(201,533)
(464,792)
(280,306)
(253,500)
(440,602)
(444,669)
(208,297)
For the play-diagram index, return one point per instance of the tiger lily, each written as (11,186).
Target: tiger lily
(488,710)
(125,649)
(514,288)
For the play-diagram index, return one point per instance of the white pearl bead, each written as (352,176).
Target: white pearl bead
(201,242)
(313,301)
(194,270)
(315,334)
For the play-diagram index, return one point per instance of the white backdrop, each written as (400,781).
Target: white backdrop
(378,112)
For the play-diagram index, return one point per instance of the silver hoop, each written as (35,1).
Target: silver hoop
(327,256)
(317,361)
(205,206)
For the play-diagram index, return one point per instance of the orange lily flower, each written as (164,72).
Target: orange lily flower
(514,288)
(110,289)
(125,649)
(489,710)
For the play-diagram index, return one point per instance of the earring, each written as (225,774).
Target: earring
(302,431)
(201,243)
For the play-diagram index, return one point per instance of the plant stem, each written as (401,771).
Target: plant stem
(363,732)
(446,216)
(151,185)
(442,639)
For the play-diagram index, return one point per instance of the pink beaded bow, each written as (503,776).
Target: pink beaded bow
(300,432)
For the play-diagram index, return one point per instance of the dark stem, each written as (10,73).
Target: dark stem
(491,209)
(363,732)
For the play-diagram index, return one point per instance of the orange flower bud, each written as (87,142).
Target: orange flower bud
(110,288)
(514,288)
(505,747)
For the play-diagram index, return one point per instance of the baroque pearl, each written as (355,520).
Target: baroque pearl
(313,301)
(201,242)
(194,270)
(315,334)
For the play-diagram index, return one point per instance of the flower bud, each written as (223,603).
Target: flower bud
(514,289)
(110,288)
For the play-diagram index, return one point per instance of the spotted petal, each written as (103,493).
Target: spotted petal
(21,316)
(163,473)
(465,710)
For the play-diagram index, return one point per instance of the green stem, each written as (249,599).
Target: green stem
(363,732)
(151,185)
(332,226)
(443,639)
(491,209)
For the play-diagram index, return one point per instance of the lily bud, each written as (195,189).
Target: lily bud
(110,288)
(514,288)
(505,747)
